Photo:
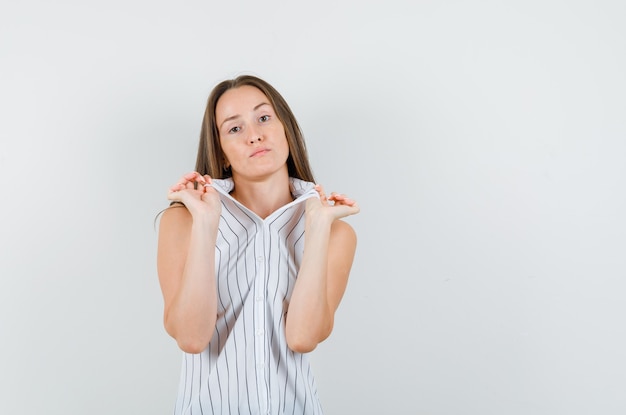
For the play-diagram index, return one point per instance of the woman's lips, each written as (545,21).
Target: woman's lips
(259,152)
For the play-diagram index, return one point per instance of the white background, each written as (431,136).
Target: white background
(484,140)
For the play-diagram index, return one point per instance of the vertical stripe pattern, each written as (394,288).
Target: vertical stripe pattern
(247,367)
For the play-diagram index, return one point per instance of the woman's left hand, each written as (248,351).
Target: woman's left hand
(336,205)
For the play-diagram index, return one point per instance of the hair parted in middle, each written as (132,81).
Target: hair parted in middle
(210,159)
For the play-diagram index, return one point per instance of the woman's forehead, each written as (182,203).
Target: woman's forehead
(238,100)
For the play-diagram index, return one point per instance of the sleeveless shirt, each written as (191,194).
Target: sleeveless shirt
(247,368)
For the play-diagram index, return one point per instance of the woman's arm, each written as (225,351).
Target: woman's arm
(329,246)
(186,263)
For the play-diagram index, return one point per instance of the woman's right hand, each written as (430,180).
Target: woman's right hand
(196,193)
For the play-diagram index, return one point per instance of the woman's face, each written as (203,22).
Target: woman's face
(251,135)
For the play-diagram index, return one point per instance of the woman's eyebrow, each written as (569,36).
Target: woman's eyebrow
(260,105)
(232,117)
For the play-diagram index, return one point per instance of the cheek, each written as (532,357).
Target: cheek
(284,141)
(284,144)
(227,151)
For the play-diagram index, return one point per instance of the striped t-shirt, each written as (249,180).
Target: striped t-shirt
(247,367)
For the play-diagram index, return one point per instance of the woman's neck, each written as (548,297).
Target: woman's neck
(262,197)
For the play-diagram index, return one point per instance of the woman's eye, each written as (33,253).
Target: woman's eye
(264,118)
(234,130)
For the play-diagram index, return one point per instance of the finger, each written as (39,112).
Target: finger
(335,197)
(178,187)
(188,181)
(206,183)
(185,178)
(209,193)
(174,196)
(343,199)
(323,196)
(182,183)
(201,180)
(338,196)
(191,176)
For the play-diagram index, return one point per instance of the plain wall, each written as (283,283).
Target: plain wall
(485,142)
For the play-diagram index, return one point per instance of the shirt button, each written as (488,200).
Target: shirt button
(259,258)
(259,332)
(259,298)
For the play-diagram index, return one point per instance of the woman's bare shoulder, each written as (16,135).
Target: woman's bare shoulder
(176,216)
(343,230)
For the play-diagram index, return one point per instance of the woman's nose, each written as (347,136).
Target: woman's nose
(254,134)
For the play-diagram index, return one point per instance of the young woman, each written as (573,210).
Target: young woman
(253,259)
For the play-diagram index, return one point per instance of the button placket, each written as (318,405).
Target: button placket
(260,283)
